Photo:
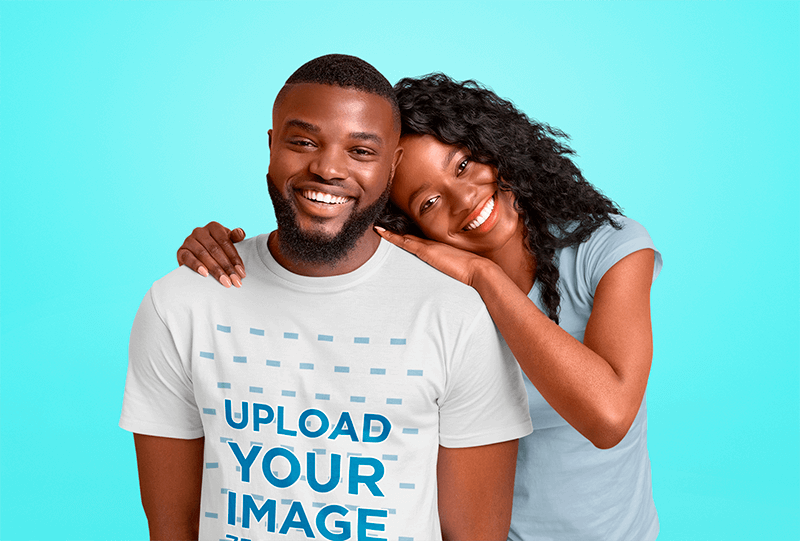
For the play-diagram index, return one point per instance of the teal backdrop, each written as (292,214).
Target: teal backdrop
(125,125)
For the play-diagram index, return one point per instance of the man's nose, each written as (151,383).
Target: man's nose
(330,164)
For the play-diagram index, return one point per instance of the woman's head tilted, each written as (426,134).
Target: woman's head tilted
(488,166)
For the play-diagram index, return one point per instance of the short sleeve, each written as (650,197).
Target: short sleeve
(485,400)
(608,245)
(159,399)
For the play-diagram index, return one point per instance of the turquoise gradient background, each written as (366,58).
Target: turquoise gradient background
(125,125)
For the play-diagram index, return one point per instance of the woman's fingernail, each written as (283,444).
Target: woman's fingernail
(202,270)
(240,271)
(379,229)
(224,280)
(236,281)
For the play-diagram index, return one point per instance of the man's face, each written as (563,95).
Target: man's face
(332,154)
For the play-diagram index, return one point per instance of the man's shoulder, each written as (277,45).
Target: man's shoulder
(407,273)
(184,286)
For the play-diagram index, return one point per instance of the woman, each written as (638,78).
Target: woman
(495,201)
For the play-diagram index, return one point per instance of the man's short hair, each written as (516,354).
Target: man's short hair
(344,71)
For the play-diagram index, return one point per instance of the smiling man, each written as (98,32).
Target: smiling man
(349,391)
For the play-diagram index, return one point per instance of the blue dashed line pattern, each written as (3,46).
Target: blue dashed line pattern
(322,396)
(342,369)
(238,359)
(207,355)
(397,342)
(361,399)
(259,390)
(361,340)
(291,335)
(377,371)
(325,338)
(414,372)
(257,332)
(273,363)
(306,366)
(223,328)
(291,394)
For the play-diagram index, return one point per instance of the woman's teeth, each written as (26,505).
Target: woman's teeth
(485,213)
(322,197)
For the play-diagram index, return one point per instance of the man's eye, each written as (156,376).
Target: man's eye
(428,204)
(362,152)
(301,143)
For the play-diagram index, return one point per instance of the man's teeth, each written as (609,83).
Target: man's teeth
(477,222)
(322,197)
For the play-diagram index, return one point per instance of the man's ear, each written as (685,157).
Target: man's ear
(269,136)
(398,156)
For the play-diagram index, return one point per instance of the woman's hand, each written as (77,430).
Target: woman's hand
(454,262)
(210,249)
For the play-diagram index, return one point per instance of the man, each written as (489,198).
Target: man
(350,390)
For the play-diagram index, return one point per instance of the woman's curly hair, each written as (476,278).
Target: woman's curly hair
(558,206)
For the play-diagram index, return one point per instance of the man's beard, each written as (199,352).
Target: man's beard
(317,248)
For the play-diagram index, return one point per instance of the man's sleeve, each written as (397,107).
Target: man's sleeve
(485,400)
(159,399)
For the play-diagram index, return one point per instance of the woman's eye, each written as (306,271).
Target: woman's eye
(462,166)
(428,204)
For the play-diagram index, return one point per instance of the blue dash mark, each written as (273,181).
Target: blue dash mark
(394,401)
(306,366)
(290,335)
(212,465)
(377,371)
(406,485)
(322,396)
(259,390)
(209,411)
(223,385)
(325,338)
(223,328)
(273,363)
(390,457)
(361,340)
(342,369)
(397,341)
(358,399)
(238,359)
(414,372)
(288,393)
(206,355)
(411,431)
(211,515)
(257,332)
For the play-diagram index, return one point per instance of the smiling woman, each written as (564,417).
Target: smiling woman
(494,200)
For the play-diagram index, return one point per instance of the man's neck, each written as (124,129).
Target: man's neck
(358,255)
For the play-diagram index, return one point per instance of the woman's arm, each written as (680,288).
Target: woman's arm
(210,249)
(597,386)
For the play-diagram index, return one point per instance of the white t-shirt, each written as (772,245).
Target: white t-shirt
(567,489)
(322,400)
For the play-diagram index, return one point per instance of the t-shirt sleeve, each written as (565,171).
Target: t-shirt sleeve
(485,400)
(608,245)
(159,399)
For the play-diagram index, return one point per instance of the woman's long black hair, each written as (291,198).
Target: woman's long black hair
(558,206)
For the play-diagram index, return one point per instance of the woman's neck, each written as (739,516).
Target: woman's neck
(516,260)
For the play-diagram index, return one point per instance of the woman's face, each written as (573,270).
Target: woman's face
(453,199)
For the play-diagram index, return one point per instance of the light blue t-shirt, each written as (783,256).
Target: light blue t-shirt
(567,489)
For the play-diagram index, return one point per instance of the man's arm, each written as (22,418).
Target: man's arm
(170,478)
(476,490)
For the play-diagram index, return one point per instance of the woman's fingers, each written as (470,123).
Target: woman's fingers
(409,243)
(195,254)
(224,238)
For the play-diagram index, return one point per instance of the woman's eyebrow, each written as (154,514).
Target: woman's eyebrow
(416,193)
(449,157)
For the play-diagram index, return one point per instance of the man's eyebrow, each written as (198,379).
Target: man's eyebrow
(303,125)
(366,136)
